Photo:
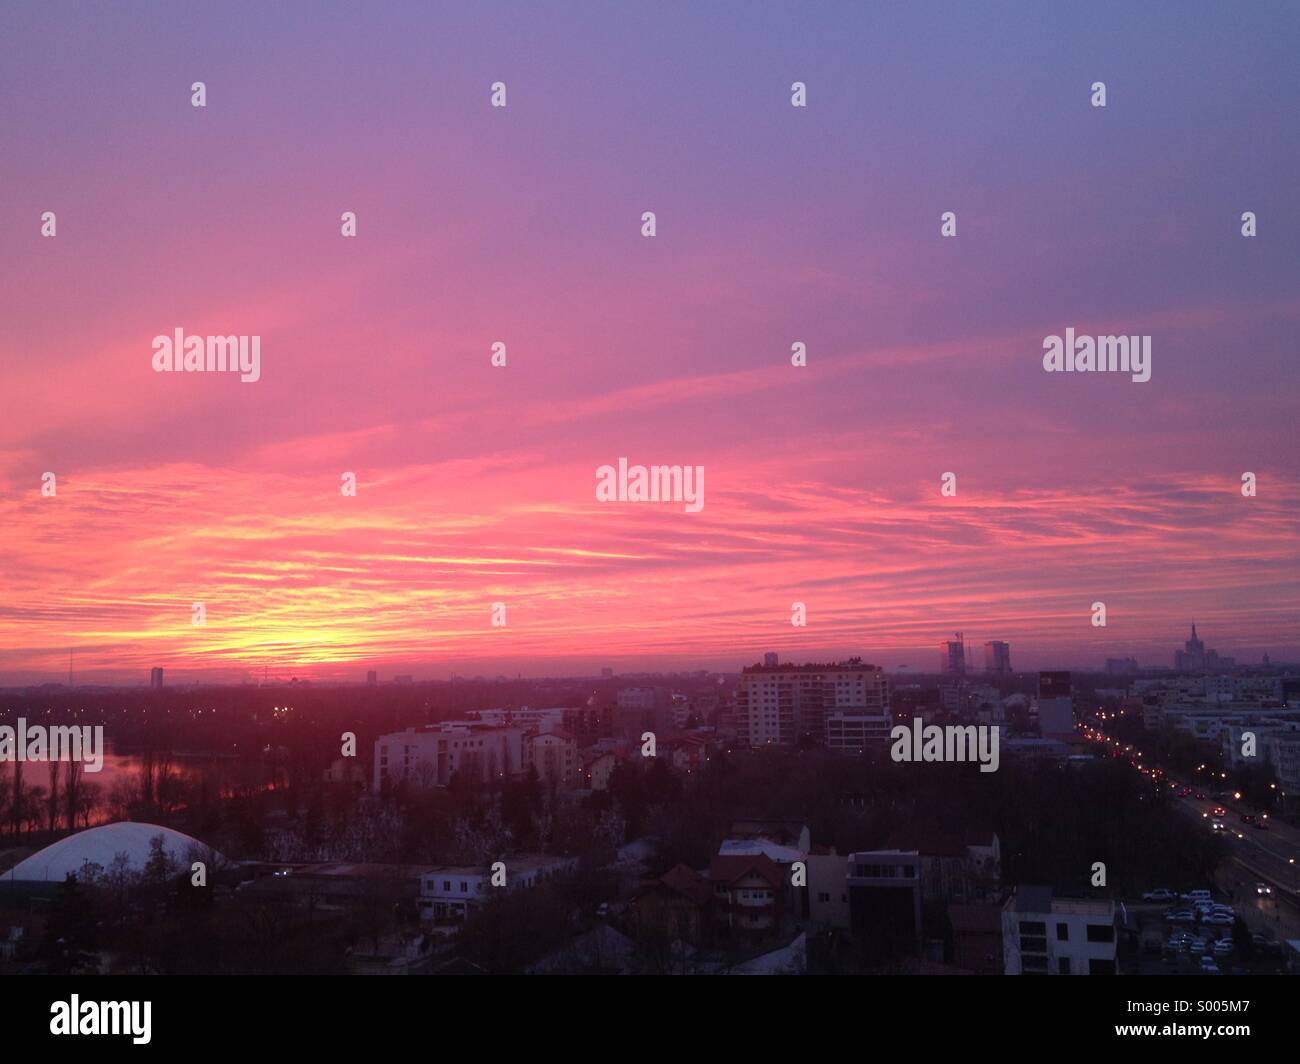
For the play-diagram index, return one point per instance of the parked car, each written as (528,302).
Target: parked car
(1208,966)
(1220,920)
(1180,916)
(1223,947)
(1160,894)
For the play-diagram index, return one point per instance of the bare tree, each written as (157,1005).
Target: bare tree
(71,792)
(52,799)
(88,800)
(17,806)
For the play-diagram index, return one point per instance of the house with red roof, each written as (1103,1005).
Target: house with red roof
(672,908)
(748,898)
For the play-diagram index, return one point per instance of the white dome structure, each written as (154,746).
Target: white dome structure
(101,846)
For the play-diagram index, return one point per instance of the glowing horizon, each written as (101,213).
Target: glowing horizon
(775,225)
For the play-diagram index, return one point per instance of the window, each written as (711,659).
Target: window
(1101,933)
(1062,932)
(1063,964)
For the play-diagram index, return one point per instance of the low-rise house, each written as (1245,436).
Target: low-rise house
(448,893)
(596,769)
(748,898)
(828,888)
(976,938)
(672,908)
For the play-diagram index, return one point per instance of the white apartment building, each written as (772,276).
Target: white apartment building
(554,754)
(780,704)
(1046,935)
(429,757)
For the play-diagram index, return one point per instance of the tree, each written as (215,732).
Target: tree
(70,933)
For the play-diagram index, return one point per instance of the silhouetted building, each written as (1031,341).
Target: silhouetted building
(155,677)
(1195,658)
(952,657)
(885,904)
(997,657)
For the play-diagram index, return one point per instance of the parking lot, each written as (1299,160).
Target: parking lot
(1205,936)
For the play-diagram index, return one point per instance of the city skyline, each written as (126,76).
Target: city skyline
(973,671)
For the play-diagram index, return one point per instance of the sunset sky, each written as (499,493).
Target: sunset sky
(775,224)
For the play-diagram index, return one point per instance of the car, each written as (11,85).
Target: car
(1220,811)
(1219,920)
(1216,825)
(1223,947)
(1248,818)
(1259,825)
(1180,916)
(1263,888)
(1198,945)
(1197,895)
(1159,894)
(1208,966)
(1200,797)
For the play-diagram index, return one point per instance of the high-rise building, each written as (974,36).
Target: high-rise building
(155,677)
(1195,658)
(842,706)
(771,658)
(372,678)
(952,657)
(1055,705)
(997,657)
